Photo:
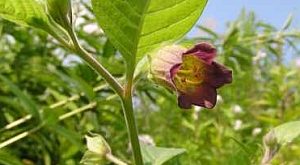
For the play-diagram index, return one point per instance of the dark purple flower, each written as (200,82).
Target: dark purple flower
(191,73)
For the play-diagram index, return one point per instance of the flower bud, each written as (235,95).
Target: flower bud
(271,147)
(98,145)
(60,11)
(270,139)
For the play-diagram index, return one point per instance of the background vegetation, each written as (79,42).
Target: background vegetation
(38,76)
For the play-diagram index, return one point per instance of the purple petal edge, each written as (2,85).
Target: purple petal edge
(204,51)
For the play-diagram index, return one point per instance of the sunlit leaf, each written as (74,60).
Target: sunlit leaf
(24,12)
(287,132)
(279,136)
(91,158)
(158,155)
(136,27)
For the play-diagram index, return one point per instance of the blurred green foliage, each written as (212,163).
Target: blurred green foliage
(37,74)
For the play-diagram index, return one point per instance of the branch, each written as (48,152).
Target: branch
(62,117)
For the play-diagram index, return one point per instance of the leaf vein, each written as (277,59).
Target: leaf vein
(170,25)
(169,7)
(125,16)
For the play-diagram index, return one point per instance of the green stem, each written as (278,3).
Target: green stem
(129,117)
(92,61)
(114,159)
(125,94)
(101,70)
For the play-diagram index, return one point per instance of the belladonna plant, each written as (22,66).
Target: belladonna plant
(145,26)
(192,74)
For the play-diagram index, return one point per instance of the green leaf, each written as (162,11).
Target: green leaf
(1,28)
(287,132)
(279,136)
(77,82)
(82,85)
(70,135)
(50,117)
(24,12)
(108,49)
(28,104)
(91,158)
(208,31)
(60,11)
(136,27)
(288,22)
(158,155)
(7,158)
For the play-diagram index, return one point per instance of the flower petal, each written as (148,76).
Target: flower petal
(204,95)
(204,51)
(217,75)
(162,62)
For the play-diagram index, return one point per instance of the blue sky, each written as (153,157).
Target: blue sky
(275,12)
